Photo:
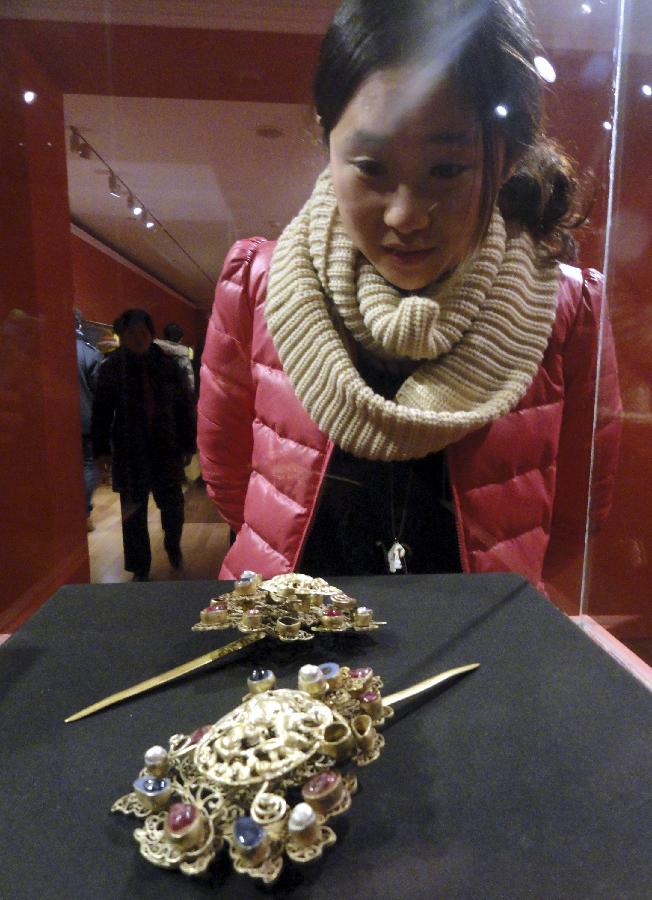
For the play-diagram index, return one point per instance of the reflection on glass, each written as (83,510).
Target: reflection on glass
(205,128)
(618,584)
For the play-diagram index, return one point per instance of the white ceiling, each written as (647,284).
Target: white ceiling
(200,168)
(198,165)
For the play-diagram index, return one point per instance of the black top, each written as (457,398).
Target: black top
(367,505)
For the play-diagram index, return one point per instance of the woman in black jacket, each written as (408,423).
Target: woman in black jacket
(144,423)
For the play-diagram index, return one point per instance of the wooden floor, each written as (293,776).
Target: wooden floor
(203,544)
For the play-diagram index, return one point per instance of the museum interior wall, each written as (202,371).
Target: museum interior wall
(104,282)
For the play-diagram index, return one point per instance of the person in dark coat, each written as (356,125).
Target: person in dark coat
(89,360)
(171,344)
(144,424)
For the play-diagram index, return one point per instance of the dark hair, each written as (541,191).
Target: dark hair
(133,317)
(488,48)
(173,332)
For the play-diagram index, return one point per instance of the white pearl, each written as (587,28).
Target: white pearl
(155,756)
(301,817)
(310,673)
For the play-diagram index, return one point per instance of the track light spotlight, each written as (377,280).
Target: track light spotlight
(150,223)
(114,185)
(135,206)
(75,142)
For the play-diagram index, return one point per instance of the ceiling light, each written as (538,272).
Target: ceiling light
(607,126)
(114,185)
(29,96)
(501,111)
(545,69)
(646,90)
(586,8)
(117,186)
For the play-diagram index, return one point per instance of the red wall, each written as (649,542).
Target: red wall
(104,287)
(41,501)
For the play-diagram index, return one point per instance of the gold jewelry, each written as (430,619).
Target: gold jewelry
(227,782)
(264,613)
(288,607)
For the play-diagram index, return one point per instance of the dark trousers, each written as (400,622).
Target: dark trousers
(91,474)
(135,535)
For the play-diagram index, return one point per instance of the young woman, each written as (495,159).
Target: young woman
(406,380)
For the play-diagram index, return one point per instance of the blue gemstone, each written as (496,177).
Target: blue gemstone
(260,675)
(248,834)
(330,669)
(152,786)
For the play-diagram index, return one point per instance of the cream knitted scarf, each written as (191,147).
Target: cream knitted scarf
(480,336)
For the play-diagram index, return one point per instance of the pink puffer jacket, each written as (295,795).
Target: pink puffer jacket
(519,484)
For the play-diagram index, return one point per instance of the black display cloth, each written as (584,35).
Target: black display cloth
(529,777)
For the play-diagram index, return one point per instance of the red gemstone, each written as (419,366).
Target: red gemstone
(361,672)
(370,697)
(197,735)
(321,784)
(331,611)
(210,609)
(181,816)
(218,606)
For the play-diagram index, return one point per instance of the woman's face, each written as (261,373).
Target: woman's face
(136,338)
(408,180)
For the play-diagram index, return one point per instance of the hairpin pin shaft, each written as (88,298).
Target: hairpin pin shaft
(428,683)
(170,675)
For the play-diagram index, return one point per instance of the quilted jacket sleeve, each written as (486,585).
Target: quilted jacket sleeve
(226,397)
(573,491)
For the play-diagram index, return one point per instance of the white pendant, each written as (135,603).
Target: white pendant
(395,556)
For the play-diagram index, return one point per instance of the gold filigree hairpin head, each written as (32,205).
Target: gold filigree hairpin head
(267,778)
(289,607)
(227,783)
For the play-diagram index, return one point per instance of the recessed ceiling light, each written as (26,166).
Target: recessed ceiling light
(270,132)
(646,89)
(607,126)
(29,96)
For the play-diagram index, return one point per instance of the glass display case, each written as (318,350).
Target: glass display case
(141,141)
